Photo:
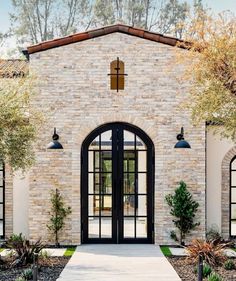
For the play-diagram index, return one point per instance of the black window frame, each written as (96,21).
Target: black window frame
(2,186)
(230,196)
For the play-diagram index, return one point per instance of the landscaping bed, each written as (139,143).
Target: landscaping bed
(186,272)
(49,269)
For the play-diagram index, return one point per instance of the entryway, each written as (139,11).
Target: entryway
(117,185)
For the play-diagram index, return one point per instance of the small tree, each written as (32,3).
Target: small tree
(19,121)
(58,214)
(183,208)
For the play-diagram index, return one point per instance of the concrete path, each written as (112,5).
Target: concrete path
(118,263)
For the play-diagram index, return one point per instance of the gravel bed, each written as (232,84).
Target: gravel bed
(49,270)
(185,270)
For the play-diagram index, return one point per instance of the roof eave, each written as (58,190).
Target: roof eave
(141,33)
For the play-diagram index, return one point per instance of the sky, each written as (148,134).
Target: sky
(216,5)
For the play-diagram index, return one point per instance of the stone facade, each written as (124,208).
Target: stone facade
(74,93)
(8,201)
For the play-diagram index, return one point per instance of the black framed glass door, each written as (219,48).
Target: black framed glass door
(117,185)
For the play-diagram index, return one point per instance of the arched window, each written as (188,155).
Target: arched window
(233,197)
(117,75)
(2,200)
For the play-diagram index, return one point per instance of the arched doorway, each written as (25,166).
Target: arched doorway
(117,195)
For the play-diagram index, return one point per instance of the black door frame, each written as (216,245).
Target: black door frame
(117,199)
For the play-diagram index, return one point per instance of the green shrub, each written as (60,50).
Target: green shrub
(206,270)
(27,274)
(183,208)
(214,277)
(229,265)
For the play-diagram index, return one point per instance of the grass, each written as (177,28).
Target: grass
(166,251)
(69,252)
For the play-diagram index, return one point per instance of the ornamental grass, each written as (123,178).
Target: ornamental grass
(211,251)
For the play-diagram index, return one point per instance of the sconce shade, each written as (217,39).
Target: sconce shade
(182,143)
(55,144)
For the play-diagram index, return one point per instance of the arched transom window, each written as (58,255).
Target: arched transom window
(233,197)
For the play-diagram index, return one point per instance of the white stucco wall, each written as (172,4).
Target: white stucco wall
(20,204)
(216,151)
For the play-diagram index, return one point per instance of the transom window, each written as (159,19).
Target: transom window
(233,197)
(2,199)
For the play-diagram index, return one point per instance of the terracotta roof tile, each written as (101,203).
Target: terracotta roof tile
(138,32)
(110,29)
(13,68)
(123,28)
(79,37)
(96,33)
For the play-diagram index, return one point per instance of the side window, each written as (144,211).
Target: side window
(233,197)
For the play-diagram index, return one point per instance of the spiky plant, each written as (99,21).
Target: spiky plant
(212,252)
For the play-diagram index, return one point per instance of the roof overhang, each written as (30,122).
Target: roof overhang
(129,30)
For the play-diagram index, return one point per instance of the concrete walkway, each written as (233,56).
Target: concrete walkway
(118,263)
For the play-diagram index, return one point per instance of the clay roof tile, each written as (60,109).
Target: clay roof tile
(101,32)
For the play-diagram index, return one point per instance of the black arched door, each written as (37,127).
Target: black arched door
(117,185)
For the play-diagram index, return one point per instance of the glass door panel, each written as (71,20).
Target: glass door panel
(134,187)
(100,186)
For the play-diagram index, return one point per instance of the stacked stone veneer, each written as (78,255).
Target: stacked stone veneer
(8,201)
(74,93)
(225,193)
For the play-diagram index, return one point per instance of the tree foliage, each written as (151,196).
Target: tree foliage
(211,64)
(183,208)
(18,122)
(58,214)
(34,21)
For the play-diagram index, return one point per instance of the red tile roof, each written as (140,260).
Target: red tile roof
(13,68)
(104,31)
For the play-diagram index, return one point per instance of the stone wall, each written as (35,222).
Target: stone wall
(74,93)
(8,201)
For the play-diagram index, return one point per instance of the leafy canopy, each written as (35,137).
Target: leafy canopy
(211,64)
(18,122)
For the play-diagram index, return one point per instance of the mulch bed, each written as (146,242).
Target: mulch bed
(49,269)
(185,270)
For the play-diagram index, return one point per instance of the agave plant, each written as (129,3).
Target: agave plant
(24,249)
(211,251)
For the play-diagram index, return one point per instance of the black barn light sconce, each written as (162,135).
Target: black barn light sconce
(55,144)
(182,143)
